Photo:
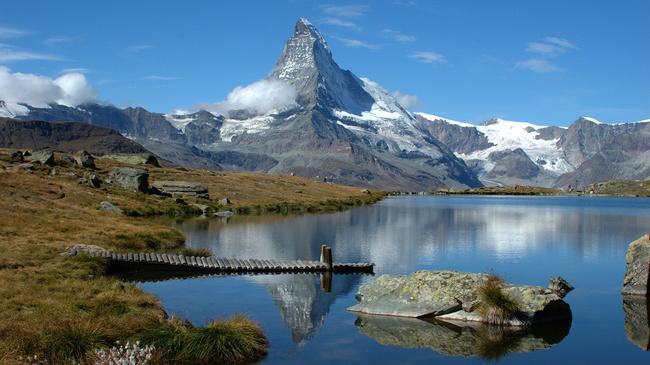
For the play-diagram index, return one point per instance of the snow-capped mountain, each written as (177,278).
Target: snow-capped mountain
(312,118)
(340,127)
(505,152)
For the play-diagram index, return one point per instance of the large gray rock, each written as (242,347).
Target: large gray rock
(466,339)
(130,178)
(638,267)
(80,249)
(85,159)
(637,320)
(135,159)
(45,157)
(450,295)
(182,188)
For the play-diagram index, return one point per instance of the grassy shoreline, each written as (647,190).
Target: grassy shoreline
(65,308)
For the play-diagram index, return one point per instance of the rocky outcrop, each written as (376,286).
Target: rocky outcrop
(637,273)
(45,157)
(85,159)
(64,136)
(450,295)
(182,188)
(460,339)
(130,178)
(135,159)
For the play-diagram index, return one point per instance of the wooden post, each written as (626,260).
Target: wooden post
(326,256)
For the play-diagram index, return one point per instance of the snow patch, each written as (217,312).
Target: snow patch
(434,118)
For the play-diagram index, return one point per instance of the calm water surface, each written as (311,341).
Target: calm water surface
(523,239)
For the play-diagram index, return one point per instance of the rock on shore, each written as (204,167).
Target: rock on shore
(637,274)
(453,296)
(182,188)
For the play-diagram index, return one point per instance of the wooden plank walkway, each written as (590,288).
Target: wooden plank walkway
(225,265)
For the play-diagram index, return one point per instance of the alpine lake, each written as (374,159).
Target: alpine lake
(524,240)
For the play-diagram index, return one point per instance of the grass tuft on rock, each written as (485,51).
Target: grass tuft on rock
(236,340)
(496,307)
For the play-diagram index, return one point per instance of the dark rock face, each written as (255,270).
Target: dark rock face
(458,138)
(68,137)
(130,178)
(512,163)
(602,152)
(637,274)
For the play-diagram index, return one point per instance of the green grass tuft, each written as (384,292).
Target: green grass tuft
(71,343)
(237,340)
(496,306)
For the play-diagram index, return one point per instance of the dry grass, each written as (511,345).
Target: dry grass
(496,307)
(64,307)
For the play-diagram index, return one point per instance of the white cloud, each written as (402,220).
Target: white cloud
(75,70)
(428,57)
(340,23)
(8,32)
(260,97)
(346,11)
(550,46)
(561,42)
(70,89)
(398,36)
(406,100)
(356,43)
(160,78)
(537,65)
(11,54)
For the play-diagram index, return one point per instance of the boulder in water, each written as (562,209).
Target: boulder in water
(637,273)
(454,296)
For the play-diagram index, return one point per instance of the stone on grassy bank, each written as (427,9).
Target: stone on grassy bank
(637,273)
(182,188)
(453,296)
(130,178)
(45,157)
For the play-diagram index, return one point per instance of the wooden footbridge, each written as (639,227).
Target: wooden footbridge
(212,264)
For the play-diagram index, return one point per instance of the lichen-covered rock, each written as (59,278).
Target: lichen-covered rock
(79,249)
(451,295)
(130,178)
(182,188)
(85,159)
(560,286)
(637,320)
(45,157)
(467,339)
(638,267)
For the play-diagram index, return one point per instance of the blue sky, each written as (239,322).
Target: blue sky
(540,61)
